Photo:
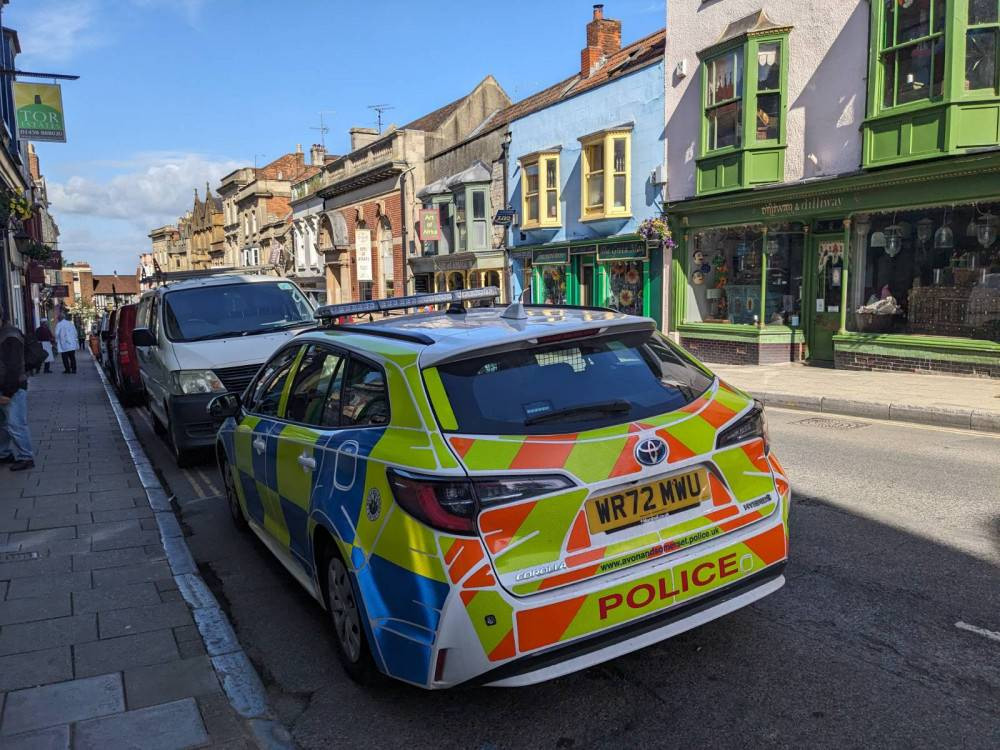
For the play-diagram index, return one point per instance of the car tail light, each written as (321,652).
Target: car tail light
(442,504)
(752,425)
(452,505)
(123,355)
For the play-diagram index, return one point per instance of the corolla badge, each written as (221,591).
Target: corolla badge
(651,451)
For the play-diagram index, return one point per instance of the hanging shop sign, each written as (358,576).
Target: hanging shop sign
(551,257)
(630,250)
(60,291)
(504,217)
(39,110)
(430,231)
(363,253)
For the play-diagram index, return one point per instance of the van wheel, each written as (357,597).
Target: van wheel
(232,498)
(345,615)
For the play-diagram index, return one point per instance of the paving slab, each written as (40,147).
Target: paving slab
(53,738)
(115,558)
(35,668)
(45,585)
(119,622)
(35,608)
(62,703)
(116,654)
(168,726)
(35,636)
(36,567)
(137,574)
(163,683)
(115,597)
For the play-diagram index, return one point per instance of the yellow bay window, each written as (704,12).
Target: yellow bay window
(540,190)
(606,164)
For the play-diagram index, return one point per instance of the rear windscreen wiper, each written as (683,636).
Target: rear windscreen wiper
(601,407)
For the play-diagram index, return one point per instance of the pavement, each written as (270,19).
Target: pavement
(941,400)
(108,635)
(894,542)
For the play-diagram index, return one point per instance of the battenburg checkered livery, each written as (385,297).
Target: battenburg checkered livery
(504,497)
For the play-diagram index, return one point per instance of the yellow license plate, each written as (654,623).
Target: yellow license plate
(633,504)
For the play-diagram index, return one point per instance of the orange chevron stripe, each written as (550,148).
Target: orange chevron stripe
(569,577)
(499,525)
(695,405)
(776,465)
(782,486)
(545,625)
(461,445)
(543,454)
(678,451)
(718,515)
(626,463)
(717,414)
(769,546)
(586,557)
(720,495)
(755,452)
(505,649)
(579,536)
(481,579)
(750,517)
(463,554)
(468,596)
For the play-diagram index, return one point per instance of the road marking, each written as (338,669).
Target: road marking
(209,484)
(978,631)
(198,491)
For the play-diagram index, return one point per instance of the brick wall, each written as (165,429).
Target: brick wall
(846,360)
(742,352)
(391,204)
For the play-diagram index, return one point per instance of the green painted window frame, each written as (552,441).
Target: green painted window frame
(893,46)
(747,47)
(969,28)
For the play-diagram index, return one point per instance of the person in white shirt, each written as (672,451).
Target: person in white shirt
(66,341)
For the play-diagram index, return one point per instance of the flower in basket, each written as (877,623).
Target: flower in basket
(37,251)
(15,204)
(656,230)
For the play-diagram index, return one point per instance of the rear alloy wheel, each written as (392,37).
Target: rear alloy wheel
(346,616)
(232,499)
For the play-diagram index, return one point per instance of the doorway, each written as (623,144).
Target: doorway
(587,285)
(824,276)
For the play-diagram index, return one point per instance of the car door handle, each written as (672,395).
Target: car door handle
(259,445)
(308,463)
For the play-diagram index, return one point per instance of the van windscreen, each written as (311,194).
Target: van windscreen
(217,312)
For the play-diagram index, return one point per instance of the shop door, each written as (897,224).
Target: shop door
(824,274)
(587,285)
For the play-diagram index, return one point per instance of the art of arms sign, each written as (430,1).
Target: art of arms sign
(39,112)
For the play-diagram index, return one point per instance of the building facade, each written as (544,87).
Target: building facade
(585,155)
(207,235)
(306,264)
(113,291)
(834,182)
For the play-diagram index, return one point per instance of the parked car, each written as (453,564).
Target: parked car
(105,334)
(123,363)
(200,337)
(502,497)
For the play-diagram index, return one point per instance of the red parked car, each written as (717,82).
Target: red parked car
(123,364)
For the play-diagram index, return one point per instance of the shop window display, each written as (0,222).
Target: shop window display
(933,272)
(554,285)
(724,269)
(625,283)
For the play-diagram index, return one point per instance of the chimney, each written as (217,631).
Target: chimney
(316,155)
(298,148)
(361,137)
(604,38)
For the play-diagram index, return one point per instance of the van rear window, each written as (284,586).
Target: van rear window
(571,386)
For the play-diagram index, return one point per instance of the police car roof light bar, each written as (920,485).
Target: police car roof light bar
(329,313)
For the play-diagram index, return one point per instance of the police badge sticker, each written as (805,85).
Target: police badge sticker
(373,504)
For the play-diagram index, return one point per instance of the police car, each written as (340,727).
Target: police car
(500,496)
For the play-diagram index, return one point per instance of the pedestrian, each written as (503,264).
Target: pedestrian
(66,343)
(44,335)
(15,440)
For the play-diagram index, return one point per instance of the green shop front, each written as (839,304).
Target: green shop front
(895,269)
(622,273)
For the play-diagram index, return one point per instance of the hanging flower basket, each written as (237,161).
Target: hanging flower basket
(656,232)
(36,251)
(14,204)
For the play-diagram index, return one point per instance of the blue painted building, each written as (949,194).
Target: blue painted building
(582,161)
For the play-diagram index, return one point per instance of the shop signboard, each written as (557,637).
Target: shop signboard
(60,291)
(629,250)
(505,217)
(39,110)
(583,249)
(363,253)
(53,262)
(551,257)
(430,231)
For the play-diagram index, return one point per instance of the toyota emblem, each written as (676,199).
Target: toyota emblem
(651,451)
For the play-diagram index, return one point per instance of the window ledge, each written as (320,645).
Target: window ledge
(538,225)
(604,217)
(768,146)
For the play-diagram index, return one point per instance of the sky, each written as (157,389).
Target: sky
(176,93)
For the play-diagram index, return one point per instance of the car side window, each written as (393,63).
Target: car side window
(266,391)
(308,397)
(365,399)
(153,323)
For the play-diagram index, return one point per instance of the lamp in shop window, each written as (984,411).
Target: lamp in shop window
(925,227)
(944,238)
(893,240)
(986,229)
(877,240)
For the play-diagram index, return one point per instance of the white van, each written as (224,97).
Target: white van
(201,337)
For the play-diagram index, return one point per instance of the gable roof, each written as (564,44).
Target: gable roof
(122,284)
(635,56)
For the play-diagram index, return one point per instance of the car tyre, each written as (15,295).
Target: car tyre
(343,605)
(232,498)
(183,458)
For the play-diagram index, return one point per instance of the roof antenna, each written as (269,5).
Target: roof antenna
(379,109)
(515,310)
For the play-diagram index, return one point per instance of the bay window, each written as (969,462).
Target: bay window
(913,51)
(724,100)
(606,166)
(982,45)
(540,190)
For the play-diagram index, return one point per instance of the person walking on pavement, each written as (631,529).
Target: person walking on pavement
(45,338)
(15,440)
(66,343)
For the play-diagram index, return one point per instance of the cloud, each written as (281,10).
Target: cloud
(58,30)
(155,191)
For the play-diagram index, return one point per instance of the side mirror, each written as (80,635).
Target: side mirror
(143,337)
(224,406)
